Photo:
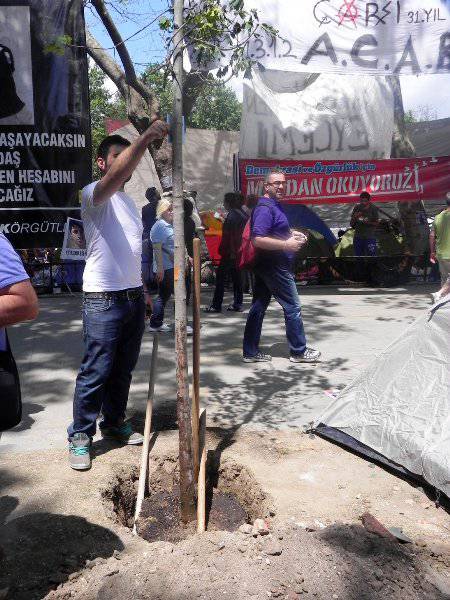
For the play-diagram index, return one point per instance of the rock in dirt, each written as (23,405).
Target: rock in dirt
(373,525)
(272,548)
(246,529)
(260,527)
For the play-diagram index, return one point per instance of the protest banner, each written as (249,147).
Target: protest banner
(354,36)
(288,115)
(334,182)
(45,146)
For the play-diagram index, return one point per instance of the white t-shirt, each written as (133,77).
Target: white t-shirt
(113,232)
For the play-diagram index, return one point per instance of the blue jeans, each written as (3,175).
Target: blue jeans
(364,247)
(112,334)
(277,282)
(228,267)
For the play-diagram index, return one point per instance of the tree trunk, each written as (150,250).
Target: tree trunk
(402,146)
(187,485)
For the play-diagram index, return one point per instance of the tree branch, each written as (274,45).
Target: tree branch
(122,51)
(140,112)
(193,83)
(136,103)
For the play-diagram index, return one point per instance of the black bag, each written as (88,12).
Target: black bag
(10,396)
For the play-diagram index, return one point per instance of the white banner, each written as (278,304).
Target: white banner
(294,116)
(354,36)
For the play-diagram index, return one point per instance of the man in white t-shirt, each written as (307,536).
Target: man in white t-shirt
(113,298)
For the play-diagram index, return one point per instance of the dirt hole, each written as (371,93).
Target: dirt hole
(233,497)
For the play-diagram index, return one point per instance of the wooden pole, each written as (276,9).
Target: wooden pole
(147,431)
(196,356)
(201,496)
(187,482)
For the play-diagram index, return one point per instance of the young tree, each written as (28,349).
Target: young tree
(211,29)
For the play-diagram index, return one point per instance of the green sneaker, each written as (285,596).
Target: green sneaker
(79,455)
(123,434)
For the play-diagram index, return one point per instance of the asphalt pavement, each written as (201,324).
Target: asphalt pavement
(349,325)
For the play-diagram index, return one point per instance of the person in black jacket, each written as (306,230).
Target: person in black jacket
(148,220)
(229,250)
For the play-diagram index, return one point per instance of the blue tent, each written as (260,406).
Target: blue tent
(300,215)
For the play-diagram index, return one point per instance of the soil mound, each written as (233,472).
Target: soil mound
(338,562)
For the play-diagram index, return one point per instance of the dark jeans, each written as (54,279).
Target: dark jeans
(364,247)
(228,268)
(165,290)
(278,282)
(112,334)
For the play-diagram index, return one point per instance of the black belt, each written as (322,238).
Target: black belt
(130,294)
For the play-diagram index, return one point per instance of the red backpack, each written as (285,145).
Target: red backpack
(247,252)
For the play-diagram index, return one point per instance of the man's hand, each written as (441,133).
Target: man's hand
(433,259)
(157,130)
(159,276)
(295,242)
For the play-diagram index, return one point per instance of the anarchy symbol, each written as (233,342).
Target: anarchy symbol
(348,11)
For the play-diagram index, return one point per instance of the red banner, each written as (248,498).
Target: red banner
(336,182)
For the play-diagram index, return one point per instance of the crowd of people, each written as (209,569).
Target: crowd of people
(117,291)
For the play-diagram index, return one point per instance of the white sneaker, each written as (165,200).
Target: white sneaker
(189,329)
(434,297)
(164,328)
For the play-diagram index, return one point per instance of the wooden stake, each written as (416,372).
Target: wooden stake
(147,431)
(201,497)
(196,356)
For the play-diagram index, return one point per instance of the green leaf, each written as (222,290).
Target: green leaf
(165,24)
(58,45)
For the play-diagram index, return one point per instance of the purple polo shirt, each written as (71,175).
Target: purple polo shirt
(11,272)
(269,220)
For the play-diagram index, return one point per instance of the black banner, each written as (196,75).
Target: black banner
(45,141)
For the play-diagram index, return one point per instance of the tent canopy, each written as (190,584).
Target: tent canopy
(398,410)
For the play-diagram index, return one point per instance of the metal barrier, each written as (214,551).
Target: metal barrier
(57,276)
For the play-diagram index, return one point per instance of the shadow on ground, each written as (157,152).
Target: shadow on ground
(39,550)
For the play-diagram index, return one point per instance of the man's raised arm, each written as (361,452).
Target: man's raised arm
(126,162)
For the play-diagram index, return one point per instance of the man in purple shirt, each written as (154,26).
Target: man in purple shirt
(276,245)
(18,302)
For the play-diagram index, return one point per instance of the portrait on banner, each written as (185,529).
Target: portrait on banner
(16,80)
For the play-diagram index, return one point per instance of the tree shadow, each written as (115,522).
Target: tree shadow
(40,550)
(375,565)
